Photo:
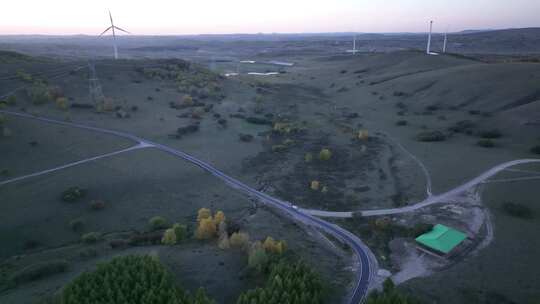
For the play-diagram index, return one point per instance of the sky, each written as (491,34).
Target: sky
(170,17)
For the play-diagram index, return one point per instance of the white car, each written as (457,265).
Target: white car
(294,207)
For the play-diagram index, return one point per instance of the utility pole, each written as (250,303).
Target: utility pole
(96,94)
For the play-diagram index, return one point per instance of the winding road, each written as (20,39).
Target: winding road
(367,262)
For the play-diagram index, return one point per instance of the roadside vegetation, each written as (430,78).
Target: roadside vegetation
(390,295)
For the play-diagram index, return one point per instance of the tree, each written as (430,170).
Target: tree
(219,217)
(257,258)
(158,222)
(206,229)
(129,279)
(169,237)
(239,240)
(180,231)
(325,154)
(203,213)
(363,134)
(314,185)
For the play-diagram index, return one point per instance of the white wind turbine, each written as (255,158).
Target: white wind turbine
(354,50)
(428,49)
(112,28)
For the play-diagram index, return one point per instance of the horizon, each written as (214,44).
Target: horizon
(239,17)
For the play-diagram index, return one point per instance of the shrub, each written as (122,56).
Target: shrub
(206,229)
(158,222)
(325,154)
(38,271)
(38,94)
(129,279)
(257,258)
(308,157)
(517,210)
(535,150)
(258,120)
(485,143)
(73,194)
(180,231)
(239,240)
(279,148)
(401,123)
(97,204)
(389,295)
(363,134)
(463,126)
(314,185)
(169,237)
(430,136)
(11,100)
(490,134)
(91,237)
(76,225)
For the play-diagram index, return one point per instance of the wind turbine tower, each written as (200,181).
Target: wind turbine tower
(113,28)
(445,41)
(354,50)
(428,49)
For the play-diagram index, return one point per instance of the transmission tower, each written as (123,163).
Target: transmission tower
(96,94)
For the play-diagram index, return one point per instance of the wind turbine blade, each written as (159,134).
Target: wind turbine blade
(110,16)
(116,27)
(110,27)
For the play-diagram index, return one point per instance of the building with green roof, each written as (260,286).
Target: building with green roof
(441,239)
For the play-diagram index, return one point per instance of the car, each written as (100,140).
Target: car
(294,207)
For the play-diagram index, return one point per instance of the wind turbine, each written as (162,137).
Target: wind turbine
(353,51)
(112,28)
(428,49)
(445,41)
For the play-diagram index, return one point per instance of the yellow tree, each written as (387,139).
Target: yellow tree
(206,229)
(169,237)
(203,213)
(239,240)
(219,217)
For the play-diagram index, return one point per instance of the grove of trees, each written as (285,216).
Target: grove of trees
(129,279)
(293,283)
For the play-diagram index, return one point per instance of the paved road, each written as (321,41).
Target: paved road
(434,199)
(367,261)
(454,192)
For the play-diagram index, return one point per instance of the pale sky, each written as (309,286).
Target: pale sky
(169,17)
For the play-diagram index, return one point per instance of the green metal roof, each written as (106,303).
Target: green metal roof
(442,238)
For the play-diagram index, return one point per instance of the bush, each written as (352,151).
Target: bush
(38,94)
(180,231)
(76,225)
(490,134)
(38,271)
(97,204)
(463,126)
(157,223)
(401,123)
(517,210)
(485,143)
(169,237)
(389,295)
(431,136)
(73,194)
(325,154)
(129,279)
(239,240)
(535,150)
(91,237)
(258,120)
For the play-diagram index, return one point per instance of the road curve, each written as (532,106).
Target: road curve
(452,193)
(433,199)
(367,261)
